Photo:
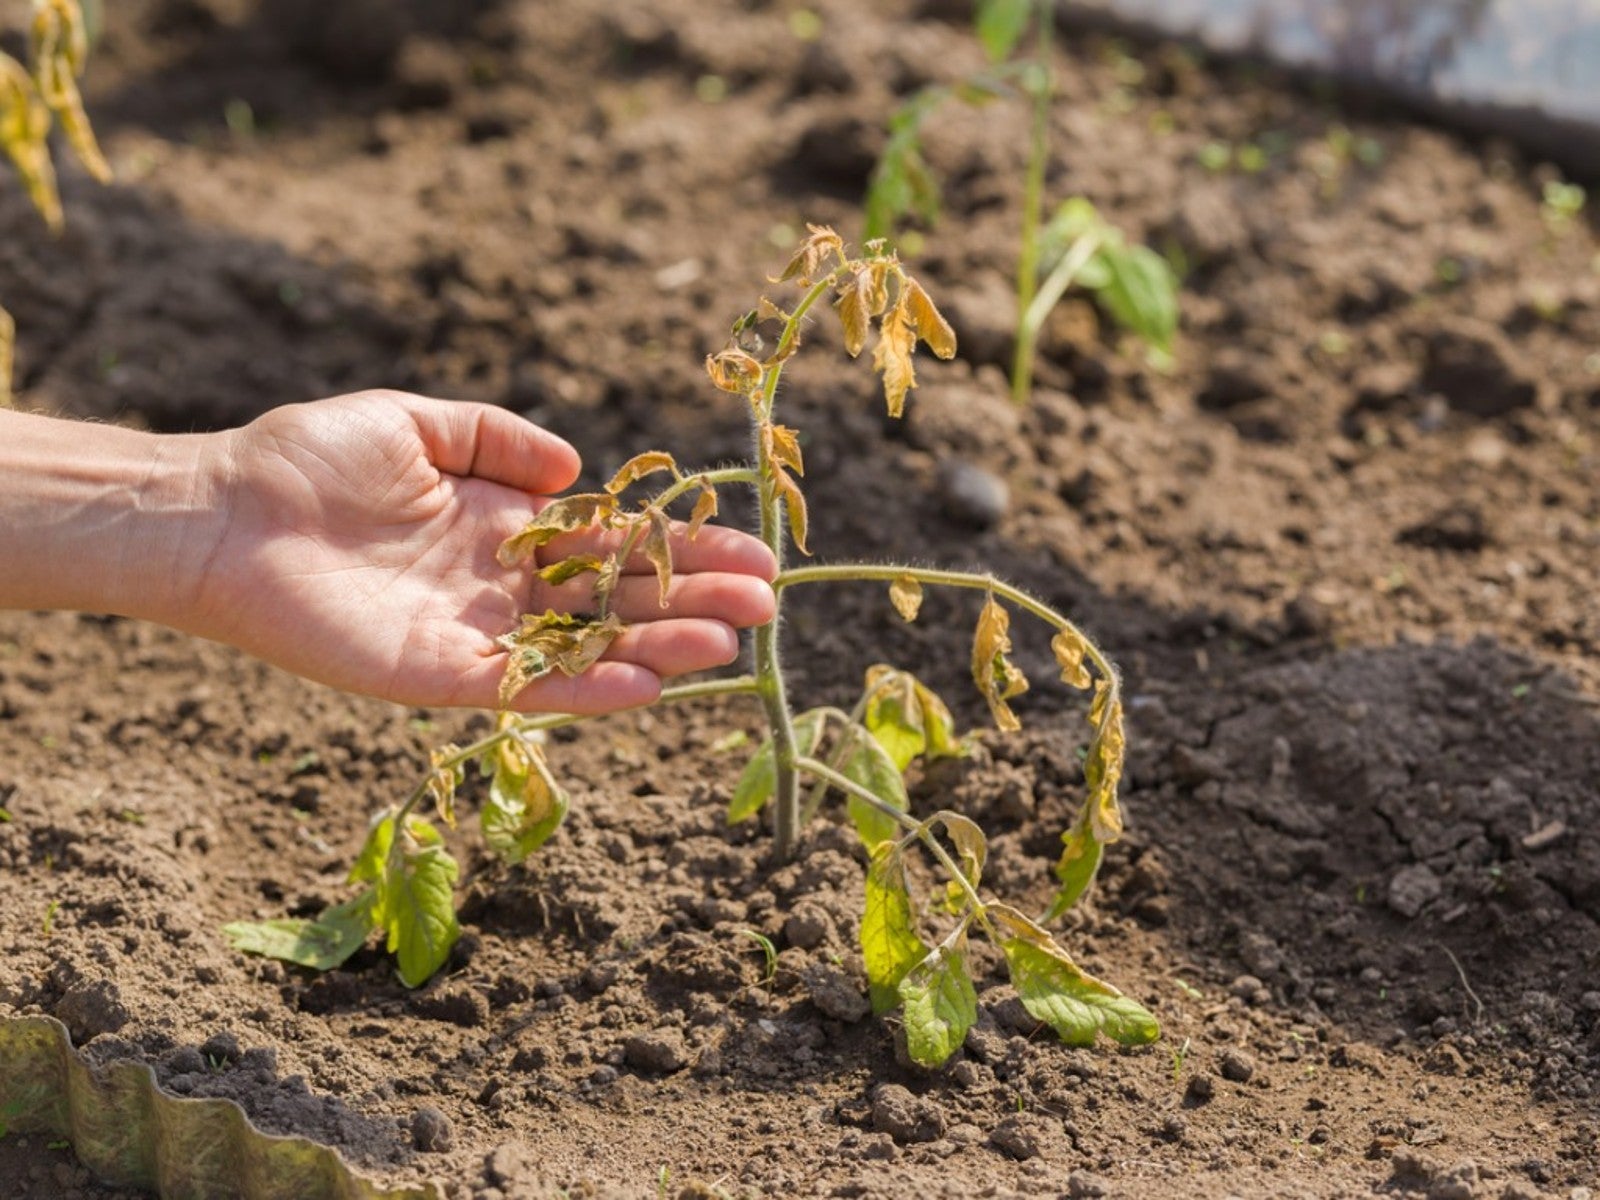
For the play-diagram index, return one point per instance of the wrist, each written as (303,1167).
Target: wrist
(99,518)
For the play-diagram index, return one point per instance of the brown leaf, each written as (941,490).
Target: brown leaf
(1070,649)
(813,252)
(705,507)
(795,503)
(734,371)
(553,642)
(658,549)
(929,323)
(566,515)
(997,677)
(892,356)
(639,466)
(905,593)
(783,447)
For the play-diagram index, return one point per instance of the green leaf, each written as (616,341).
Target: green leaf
(759,779)
(869,765)
(1075,1004)
(419,911)
(890,946)
(999,25)
(321,944)
(940,1002)
(1141,293)
(525,805)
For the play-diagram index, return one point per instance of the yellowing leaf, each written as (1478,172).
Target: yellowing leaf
(60,50)
(566,515)
(820,243)
(638,467)
(997,677)
(553,642)
(939,1002)
(705,507)
(795,503)
(890,947)
(783,447)
(1070,649)
(658,549)
(1056,991)
(569,568)
(734,371)
(759,779)
(897,340)
(929,323)
(905,593)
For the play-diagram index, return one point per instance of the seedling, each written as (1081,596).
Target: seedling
(31,99)
(406,874)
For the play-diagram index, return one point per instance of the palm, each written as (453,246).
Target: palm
(361,552)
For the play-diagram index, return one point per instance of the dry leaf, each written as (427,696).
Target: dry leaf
(892,356)
(639,466)
(1070,649)
(905,593)
(929,323)
(997,677)
(658,549)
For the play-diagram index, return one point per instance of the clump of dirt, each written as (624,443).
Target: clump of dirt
(1344,549)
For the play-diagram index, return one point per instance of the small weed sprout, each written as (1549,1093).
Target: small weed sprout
(406,875)
(1136,287)
(32,98)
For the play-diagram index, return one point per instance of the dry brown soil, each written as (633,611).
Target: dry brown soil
(1346,551)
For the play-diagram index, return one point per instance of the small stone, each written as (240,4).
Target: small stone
(1017,1136)
(806,927)
(430,1130)
(91,1008)
(661,1051)
(904,1116)
(1412,889)
(1082,1185)
(972,495)
(1236,1066)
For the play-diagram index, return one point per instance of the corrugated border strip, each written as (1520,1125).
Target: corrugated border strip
(132,1134)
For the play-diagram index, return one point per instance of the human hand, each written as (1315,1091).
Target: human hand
(355,542)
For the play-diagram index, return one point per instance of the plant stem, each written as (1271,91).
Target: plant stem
(1033,197)
(732,685)
(769,661)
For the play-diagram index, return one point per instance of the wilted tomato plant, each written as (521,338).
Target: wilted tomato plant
(406,875)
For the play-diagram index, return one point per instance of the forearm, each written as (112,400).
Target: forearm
(103,519)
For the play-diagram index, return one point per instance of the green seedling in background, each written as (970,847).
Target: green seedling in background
(405,875)
(1133,285)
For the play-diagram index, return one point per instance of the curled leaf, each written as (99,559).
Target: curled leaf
(795,504)
(1070,649)
(929,323)
(890,946)
(897,340)
(998,679)
(553,642)
(60,51)
(705,507)
(566,515)
(734,371)
(905,593)
(639,466)
(658,549)
(569,568)
(820,243)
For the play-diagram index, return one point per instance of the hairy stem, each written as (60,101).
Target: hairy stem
(1033,196)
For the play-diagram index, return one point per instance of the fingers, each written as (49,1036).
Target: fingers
(716,549)
(737,600)
(483,442)
(629,676)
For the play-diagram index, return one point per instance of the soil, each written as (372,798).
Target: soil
(1345,549)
